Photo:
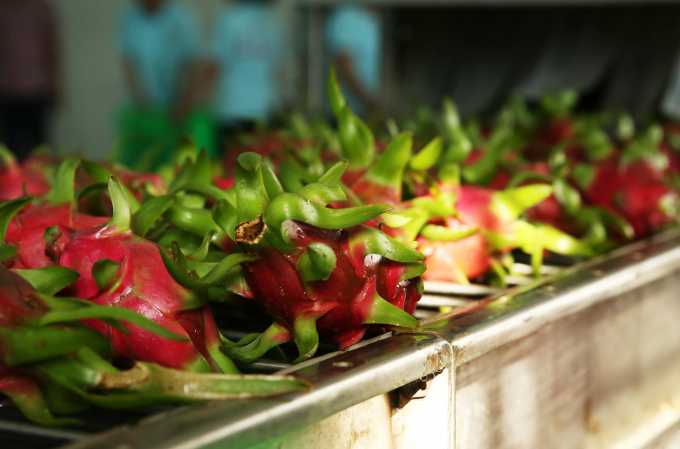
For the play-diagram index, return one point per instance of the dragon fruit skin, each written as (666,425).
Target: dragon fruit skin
(470,256)
(142,284)
(319,272)
(634,190)
(14,176)
(344,300)
(28,227)
(487,211)
(449,261)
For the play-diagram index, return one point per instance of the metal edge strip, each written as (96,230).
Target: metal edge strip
(340,382)
(480,327)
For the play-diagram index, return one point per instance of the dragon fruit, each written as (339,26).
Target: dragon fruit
(17,180)
(25,231)
(316,270)
(50,363)
(462,228)
(119,268)
(647,204)
(456,259)
(633,183)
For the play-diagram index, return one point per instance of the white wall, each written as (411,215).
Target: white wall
(93,83)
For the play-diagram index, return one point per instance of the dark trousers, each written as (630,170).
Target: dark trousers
(23,123)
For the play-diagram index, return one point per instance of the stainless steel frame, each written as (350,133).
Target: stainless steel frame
(513,365)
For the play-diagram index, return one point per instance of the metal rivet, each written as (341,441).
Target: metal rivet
(597,272)
(343,364)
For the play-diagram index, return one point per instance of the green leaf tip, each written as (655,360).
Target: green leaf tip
(428,156)
(510,203)
(121,217)
(149,212)
(317,262)
(62,191)
(7,212)
(382,312)
(49,280)
(333,175)
(389,169)
(250,161)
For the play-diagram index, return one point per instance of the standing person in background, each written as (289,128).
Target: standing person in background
(353,41)
(29,73)
(158,43)
(246,55)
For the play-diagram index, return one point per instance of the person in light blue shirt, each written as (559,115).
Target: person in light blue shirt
(158,41)
(246,53)
(353,42)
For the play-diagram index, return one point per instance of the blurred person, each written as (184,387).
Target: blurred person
(245,63)
(158,42)
(353,42)
(29,73)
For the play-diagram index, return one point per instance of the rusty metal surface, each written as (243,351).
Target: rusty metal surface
(598,378)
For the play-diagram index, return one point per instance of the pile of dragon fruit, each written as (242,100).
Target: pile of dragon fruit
(108,275)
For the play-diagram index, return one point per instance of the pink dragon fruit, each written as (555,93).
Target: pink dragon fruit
(51,363)
(317,270)
(634,190)
(117,267)
(26,230)
(15,177)
(465,227)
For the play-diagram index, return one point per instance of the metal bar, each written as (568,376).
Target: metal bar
(41,431)
(511,314)
(341,381)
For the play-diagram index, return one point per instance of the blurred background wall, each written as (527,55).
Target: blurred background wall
(617,56)
(92,76)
